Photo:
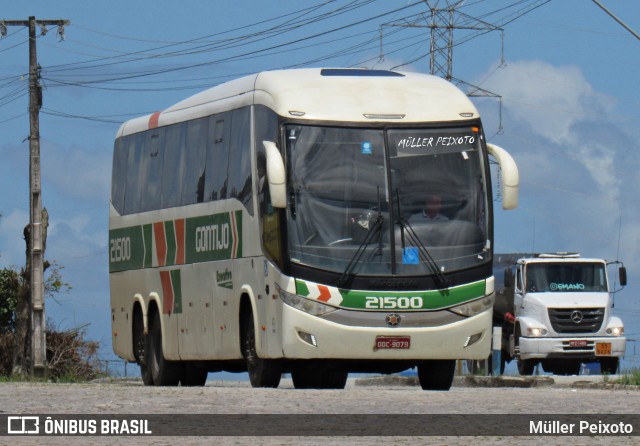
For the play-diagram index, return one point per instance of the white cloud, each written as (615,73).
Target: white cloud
(549,99)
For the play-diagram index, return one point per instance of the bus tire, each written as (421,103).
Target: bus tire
(262,372)
(436,374)
(317,376)
(163,372)
(193,375)
(139,347)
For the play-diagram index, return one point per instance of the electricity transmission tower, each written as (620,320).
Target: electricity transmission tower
(442,20)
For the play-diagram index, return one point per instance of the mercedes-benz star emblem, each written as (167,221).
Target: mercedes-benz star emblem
(577,317)
(393,319)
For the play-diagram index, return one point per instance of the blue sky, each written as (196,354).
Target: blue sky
(570,112)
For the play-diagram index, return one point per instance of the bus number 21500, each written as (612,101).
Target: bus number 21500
(393,302)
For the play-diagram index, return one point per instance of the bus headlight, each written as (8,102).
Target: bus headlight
(303,304)
(474,307)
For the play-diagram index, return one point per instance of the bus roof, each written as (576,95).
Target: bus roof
(350,95)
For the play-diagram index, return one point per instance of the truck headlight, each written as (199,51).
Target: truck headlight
(303,304)
(615,331)
(474,307)
(536,332)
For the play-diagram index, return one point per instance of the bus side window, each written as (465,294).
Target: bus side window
(195,161)
(215,182)
(119,174)
(151,171)
(174,165)
(240,185)
(133,190)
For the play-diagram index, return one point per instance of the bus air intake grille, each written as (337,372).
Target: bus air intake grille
(576,320)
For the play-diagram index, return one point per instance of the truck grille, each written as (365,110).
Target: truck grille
(576,320)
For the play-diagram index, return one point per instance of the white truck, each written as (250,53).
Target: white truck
(556,309)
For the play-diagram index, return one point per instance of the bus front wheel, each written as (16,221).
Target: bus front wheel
(262,372)
(436,374)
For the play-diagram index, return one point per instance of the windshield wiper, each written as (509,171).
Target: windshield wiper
(438,275)
(347,275)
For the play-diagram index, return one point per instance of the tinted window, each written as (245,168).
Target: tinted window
(217,157)
(134,148)
(119,174)
(195,156)
(174,165)
(240,158)
(151,172)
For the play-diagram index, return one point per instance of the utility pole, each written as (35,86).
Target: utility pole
(38,363)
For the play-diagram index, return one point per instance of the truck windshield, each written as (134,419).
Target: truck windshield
(566,277)
(345,183)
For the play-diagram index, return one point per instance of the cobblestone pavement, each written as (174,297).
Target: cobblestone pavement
(231,397)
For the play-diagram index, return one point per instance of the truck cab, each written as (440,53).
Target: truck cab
(561,314)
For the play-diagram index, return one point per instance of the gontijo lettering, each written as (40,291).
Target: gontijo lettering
(212,237)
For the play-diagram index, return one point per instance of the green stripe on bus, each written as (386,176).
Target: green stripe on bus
(301,288)
(206,238)
(170,236)
(147,235)
(431,300)
(176,283)
(126,249)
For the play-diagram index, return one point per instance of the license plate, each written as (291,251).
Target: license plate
(578,343)
(392,342)
(603,348)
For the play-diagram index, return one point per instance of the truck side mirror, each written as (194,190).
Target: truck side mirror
(623,276)
(508,278)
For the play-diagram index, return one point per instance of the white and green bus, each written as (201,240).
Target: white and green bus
(284,223)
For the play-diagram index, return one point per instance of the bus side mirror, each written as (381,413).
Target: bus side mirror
(276,175)
(510,176)
(623,276)
(508,278)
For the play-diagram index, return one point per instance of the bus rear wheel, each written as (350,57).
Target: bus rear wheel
(262,372)
(436,374)
(193,375)
(139,347)
(316,376)
(162,371)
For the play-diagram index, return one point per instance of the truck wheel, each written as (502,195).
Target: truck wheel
(566,368)
(526,366)
(163,372)
(262,372)
(436,374)
(609,366)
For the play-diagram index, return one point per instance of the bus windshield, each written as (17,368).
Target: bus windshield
(401,196)
(566,277)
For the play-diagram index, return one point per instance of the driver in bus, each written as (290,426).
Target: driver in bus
(430,212)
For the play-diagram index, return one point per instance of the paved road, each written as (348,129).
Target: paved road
(230,397)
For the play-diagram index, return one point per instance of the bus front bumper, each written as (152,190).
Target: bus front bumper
(311,337)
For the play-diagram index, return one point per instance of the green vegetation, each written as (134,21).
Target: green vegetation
(629,378)
(70,357)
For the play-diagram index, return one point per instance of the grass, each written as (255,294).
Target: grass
(629,378)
